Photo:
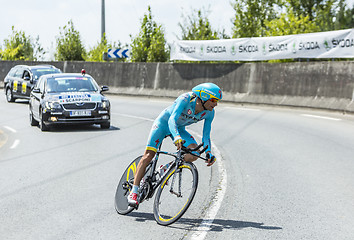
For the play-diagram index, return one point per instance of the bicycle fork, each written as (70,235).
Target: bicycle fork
(179,172)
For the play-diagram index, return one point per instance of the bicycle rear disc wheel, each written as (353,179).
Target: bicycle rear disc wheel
(124,187)
(168,207)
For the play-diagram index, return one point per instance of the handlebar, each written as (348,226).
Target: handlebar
(191,150)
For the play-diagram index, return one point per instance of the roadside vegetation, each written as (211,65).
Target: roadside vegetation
(252,18)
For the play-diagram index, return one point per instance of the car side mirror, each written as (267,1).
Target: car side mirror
(104,88)
(36,90)
(26,78)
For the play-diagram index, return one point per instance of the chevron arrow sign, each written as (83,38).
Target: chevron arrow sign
(118,53)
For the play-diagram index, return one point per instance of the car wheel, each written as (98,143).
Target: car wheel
(105,125)
(33,122)
(9,95)
(42,125)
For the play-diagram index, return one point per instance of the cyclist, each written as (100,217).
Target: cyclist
(187,109)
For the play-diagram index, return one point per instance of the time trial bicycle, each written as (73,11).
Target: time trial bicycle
(175,187)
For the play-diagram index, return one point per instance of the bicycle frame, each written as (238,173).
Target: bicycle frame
(147,191)
(149,179)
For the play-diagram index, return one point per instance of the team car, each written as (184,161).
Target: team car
(20,80)
(68,98)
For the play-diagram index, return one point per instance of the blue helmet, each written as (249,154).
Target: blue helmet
(206,91)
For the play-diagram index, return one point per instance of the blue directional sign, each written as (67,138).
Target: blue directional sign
(118,53)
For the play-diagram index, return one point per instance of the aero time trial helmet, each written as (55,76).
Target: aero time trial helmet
(206,91)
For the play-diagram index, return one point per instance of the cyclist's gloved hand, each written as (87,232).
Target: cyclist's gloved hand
(179,142)
(211,159)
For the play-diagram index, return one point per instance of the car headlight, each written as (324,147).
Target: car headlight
(52,105)
(104,104)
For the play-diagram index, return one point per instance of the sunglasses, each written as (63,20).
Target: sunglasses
(214,100)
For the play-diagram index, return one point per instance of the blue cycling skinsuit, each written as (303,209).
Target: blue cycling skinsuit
(173,119)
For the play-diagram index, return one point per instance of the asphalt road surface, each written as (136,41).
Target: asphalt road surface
(280,174)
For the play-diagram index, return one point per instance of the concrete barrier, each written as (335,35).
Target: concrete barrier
(325,85)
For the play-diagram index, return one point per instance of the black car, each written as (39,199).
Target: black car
(68,98)
(20,80)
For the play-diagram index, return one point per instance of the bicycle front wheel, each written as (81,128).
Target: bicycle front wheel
(124,187)
(175,194)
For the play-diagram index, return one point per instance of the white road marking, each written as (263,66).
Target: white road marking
(132,116)
(160,101)
(200,232)
(3,138)
(15,144)
(321,117)
(245,109)
(10,129)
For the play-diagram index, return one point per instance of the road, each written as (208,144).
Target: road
(282,174)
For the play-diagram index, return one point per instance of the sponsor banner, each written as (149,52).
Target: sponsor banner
(333,44)
(74,97)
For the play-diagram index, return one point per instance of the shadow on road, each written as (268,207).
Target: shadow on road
(80,128)
(216,226)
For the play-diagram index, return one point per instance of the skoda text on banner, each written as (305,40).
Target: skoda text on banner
(333,44)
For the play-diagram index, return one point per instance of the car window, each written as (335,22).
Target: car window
(26,74)
(12,72)
(52,85)
(42,71)
(41,84)
(19,73)
(71,84)
(37,84)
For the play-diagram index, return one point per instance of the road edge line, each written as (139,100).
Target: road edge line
(200,232)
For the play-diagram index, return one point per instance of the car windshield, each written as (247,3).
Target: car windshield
(42,71)
(71,84)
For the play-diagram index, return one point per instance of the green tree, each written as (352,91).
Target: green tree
(69,45)
(38,50)
(280,17)
(251,16)
(344,16)
(21,47)
(157,51)
(326,15)
(350,17)
(95,54)
(322,12)
(150,45)
(288,23)
(197,27)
